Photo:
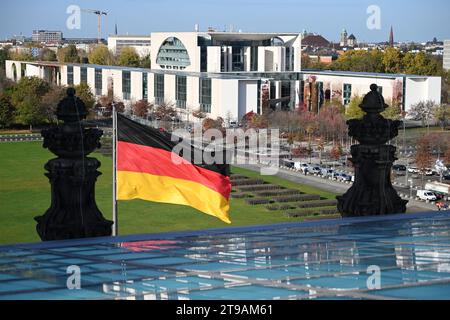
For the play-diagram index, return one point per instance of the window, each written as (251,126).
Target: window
(145,86)
(205,95)
(126,85)
(203,59)
(285,94)
(223,59)
(98,82)
(173,53)
(69,75)
(159,88)
(238,59)
(83,75)
(347,94)
(289,59)
(180,91)
(273,90)
(254,59)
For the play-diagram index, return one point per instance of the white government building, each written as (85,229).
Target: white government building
(226,74)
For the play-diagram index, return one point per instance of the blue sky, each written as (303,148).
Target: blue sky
(416,20)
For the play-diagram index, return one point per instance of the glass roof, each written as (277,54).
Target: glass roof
(329,259)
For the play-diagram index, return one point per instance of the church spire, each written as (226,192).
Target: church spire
(391,37)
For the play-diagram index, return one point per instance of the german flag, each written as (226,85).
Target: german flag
(149,169)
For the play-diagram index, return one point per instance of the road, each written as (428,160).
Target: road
(333,186)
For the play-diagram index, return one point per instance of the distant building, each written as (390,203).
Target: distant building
(344,38)
(351,41)
(47,36)
(315,41)
(142,44)
(447,54)
(391,37)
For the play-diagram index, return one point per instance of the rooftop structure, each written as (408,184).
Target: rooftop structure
(310,260)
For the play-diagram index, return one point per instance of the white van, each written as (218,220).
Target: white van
(426,195)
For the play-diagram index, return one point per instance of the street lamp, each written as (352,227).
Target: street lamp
(410,187)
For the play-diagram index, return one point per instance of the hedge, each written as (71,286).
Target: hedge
(317,204)
(278,193)
(316,212)
(262,187)
(297,198)
(258,201)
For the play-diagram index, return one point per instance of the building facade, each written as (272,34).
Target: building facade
(230,74)
(447,54)
(142,44)
(47,36)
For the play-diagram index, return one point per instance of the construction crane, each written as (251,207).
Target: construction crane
(99,14)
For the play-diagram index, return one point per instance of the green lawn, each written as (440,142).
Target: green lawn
(25,193)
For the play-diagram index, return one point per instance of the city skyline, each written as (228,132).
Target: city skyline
(418,21)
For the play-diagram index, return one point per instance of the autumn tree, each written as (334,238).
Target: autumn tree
(50,101)
(141,108)
(423,155)
(336,152)
(47,55)
(128,57)
(68,54)
(101,55)
(442,115)
(84,92)
(199,114)
(392,61)
(165,112)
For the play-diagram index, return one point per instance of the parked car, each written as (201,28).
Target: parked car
(426,195)
(288,163)
(303,167)
(326,172)
(344,177)
(315,170)
(399,167)
(413,170)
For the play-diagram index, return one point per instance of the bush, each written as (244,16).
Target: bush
(297,198)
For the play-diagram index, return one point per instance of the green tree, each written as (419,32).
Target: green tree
(26,97)
(4,55)
(354,111)
(68,54)
(6,111)
(128,57)
(84,92)
(101,55)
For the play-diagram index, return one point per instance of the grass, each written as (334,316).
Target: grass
(25,193)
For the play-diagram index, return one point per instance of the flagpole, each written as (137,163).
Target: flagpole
(115,230)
